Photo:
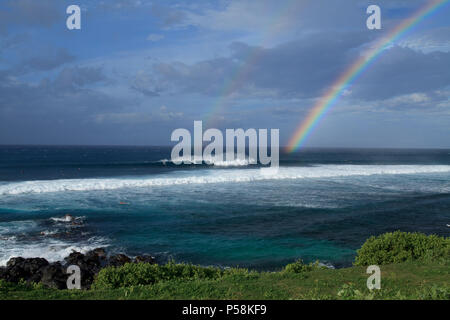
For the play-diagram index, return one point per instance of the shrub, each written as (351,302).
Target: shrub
(6,286)
(434,293)
(135,274)
(300,267)
(397,247)
(3,286)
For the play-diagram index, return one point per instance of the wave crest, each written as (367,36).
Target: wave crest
(216,176)
(211,161)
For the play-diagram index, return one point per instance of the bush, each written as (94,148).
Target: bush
(135,274)
(300,267)
(434,293)
(397,247)
(4,286)
(11,286)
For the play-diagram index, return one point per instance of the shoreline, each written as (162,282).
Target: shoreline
(414,266)
(39,269)
(54,274)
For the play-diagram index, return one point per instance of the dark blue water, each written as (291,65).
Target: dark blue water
(322,204)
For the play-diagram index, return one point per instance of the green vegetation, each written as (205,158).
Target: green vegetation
(399,247)
(132,274)
(409,280)
(300,267)
(413,266)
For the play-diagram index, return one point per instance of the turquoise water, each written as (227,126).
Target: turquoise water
(322,204)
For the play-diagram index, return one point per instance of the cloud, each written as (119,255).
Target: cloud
(303,69)
(31,13)
(166,114)
(429,40)
(272,20)
(246,16)
(47,61)
(138,117)
(155,37)
(122,118)
(299,68)
(169,17)
(401,71)
(12,41)
(67,91)
(269,61)
(146,85)
(122,4)
(78,77)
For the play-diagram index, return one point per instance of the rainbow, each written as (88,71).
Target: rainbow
(351,74)
(238,78)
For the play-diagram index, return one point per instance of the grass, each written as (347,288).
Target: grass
(413,266)
(408,280)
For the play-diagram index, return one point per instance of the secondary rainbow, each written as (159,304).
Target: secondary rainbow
(351,74)
(238,78)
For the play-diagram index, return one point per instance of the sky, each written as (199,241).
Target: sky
(138,69)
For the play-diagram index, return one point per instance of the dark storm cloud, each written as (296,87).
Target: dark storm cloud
(65,93)
(37,13)
(205,77)
(300,68)
(402,71)
(307,67)
(77,77)
(146,86)
(49,61)
(285,57)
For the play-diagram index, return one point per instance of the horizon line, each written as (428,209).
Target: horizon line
(170,146)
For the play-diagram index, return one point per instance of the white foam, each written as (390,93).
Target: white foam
(212,161)
(217,176)
(233,163)
(66,218)
(52,250)
(48,232)
(327,265)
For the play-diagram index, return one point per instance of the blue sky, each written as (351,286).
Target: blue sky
(139,69)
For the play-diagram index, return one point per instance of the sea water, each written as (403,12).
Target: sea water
(321,204)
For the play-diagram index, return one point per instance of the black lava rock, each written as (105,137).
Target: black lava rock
(145,259)
(54,276)
(118,260)
(28,269)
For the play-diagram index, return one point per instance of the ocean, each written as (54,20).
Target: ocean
(321,205)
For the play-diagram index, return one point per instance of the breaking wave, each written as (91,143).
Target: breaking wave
(51,249)
(216,176)
(211,161)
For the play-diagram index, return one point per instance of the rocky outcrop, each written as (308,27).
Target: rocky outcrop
(118,260)
(53,275)
(145,259)
(20,268)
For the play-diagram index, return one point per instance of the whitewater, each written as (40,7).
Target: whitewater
(216,176)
